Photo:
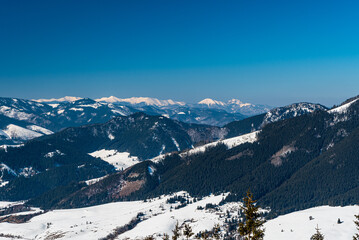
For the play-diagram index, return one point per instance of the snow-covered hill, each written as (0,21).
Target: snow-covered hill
(159,215)
(13,134)
(298,226)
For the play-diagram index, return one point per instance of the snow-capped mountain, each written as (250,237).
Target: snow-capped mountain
(290,111)
(211,103)
(22,119)
(144,101)
(234,106)
(55,100)
(56,114)
(257,122)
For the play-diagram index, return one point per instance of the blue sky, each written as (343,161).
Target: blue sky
(269,52)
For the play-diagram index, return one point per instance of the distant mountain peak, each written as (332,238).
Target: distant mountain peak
(238,102)
(141,100)
(110,99)
(63,99)
(235,101)
(211,102)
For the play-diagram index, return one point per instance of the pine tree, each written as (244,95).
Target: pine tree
(356,236)
(205,235)
(251,229)
(216,232)
(318,235)
(187,231)
(176,232)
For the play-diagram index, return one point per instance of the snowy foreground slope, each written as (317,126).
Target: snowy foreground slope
(160,217)
(297,226)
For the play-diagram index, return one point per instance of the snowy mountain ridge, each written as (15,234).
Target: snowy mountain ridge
(141,100)
(63,99)
(231,106)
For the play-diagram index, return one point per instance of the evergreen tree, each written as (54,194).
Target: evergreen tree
(166,237)
(251,229)
(356,236)
(187,231)
(318,235)
(205,235)
(216,232)
(176,232)
(149,238)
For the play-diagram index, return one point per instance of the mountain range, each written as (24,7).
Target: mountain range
(136,155)
(292,158)
(95,150)
(22,119)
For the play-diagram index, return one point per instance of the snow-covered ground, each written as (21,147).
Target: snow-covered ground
(99,221)
(160,217)
(120,160)
(297,226)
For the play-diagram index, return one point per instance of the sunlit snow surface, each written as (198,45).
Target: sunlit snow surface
(160,217)
(16,132)
(343,108)
(297,226)
(229,142)
(120,160)
(98,221)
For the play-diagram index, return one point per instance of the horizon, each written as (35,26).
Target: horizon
(274,53)
(49,100)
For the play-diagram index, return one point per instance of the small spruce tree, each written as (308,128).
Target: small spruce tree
(176,232)
(187,231)
(356,236)
(216,232)
(251,229)
(318,235)
(205,235)
(165,237)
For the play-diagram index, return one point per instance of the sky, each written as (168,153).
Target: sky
(264,52)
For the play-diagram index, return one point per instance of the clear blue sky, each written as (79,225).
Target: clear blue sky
(270,52)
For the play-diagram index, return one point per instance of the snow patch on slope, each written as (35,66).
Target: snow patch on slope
(16,132)
(120,160)
(343,108)
(230,143)
(14,113)
(51,154)
(40,129)
(176,144)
